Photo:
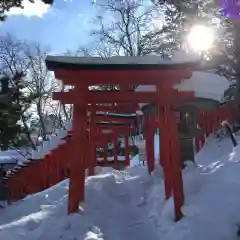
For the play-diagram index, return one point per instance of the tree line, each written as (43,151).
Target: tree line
(32,113)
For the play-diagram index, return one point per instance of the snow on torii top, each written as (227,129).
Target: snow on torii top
(203,84)
(143,62)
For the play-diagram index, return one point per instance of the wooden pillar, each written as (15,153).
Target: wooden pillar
(201,123)
(105,153)
(160,124)
(211,122)
(115,149)
(77,168)
(52,170)
(151,144)
(148,132)
(146,136)
(218,121)
(197,141)
(46,172)
(91,132)
(206,124)
(213,116)
(177,182)
(127,159)
(165,151)
(92,149)
(58,161)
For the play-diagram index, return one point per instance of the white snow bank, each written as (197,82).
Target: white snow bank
(212,202)
(214,149)
(130,205)
(110,197)
(7,159)
(13,156)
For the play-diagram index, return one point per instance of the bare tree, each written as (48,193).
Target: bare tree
(129,28)
(18,56)
(12,63)
(41,84)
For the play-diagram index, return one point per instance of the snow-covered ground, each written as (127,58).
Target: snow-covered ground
(130,205)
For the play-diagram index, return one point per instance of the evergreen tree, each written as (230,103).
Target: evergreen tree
(13,102)
(224,56)
(6,5)
(9,117)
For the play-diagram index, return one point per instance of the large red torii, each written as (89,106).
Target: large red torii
(82,74)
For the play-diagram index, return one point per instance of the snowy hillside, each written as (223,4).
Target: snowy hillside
(130,205)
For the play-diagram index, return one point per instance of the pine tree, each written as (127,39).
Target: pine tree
(12,102)
(6,5)
(9,116)
(224,56)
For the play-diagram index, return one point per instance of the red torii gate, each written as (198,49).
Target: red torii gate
(81,76)
(102,133)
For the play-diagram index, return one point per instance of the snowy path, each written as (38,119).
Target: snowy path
(130,205)
(117,204)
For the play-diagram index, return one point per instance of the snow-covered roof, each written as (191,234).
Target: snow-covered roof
(7,159)
(178,57)
(203,84)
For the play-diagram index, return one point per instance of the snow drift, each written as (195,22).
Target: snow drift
(130,204)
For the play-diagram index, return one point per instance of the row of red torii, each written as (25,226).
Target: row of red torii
(82,153)
(81,97)
(166,97)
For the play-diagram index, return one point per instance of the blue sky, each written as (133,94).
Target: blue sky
(63,26)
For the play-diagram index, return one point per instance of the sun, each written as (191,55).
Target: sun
(200,38)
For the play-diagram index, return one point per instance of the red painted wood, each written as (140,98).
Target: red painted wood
(159,125)
(91,168)
(177,182)
(115,147)
(87,77)
(166,152)
(105,154)
(173,97)
(197,141)
(45,169)
(127,158)
(149,135)
(77,168)
(97,118)
(115,129)
(117,108)
(146,136)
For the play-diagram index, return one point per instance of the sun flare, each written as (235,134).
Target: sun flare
(200,38)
